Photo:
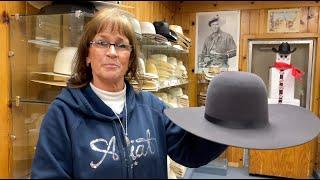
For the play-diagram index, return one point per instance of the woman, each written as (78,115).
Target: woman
(99,127)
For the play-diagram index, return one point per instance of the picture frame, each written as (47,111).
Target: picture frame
(283,20)
(221,50)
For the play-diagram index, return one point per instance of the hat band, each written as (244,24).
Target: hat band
(234,124)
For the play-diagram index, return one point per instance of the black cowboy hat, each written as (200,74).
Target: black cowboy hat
(60,7)
(162,28)
(237,113)
(284,48)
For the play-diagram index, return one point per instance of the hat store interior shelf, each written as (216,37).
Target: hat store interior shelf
(163,70)
(41,51)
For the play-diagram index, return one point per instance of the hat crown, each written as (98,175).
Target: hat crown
(63,60)
(249,110)
(147,28)
(284,48)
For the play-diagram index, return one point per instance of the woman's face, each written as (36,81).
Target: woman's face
(109,63)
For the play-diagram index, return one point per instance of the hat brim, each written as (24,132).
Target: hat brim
(288,126)
(52,83)
(283,52)
(52,74)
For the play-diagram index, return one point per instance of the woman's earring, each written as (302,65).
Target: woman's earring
(87,62)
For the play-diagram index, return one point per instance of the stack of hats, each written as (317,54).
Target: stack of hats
(171,173)
(148,76)
(182,40)
(203,96)
(213,70)
(178,169)
(173,101)
(181,70)
(173,61)
(165,69)
(182,100)
(163,96)
(148,31)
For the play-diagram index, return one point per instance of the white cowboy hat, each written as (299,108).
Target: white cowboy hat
(62,67)
(63,63)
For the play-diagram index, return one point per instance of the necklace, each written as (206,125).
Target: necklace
(125,131)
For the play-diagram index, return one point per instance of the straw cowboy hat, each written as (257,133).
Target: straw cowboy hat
(212,71)
(237,113)
(142,70)
(178,29)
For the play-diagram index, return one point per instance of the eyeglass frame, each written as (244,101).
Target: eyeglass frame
(106,45)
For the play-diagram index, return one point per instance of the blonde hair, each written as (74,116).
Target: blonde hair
(119,21)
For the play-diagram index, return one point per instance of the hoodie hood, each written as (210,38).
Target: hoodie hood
(84,100)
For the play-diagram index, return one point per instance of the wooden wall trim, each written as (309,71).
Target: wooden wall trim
(203,6)
(316,80)
(4,118)
(10,7)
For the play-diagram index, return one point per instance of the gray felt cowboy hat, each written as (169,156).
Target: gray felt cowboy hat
(237,114)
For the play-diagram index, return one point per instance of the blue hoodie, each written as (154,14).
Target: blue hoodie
(80,137)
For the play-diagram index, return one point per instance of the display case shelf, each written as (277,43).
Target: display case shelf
(174,82)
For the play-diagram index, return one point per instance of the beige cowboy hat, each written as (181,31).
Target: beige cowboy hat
(181,70)
(178,30)
(152,69)
(173,101)
(143,73)
(161,60)
(150,85)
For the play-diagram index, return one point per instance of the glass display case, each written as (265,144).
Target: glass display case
(261,57)
(35,43)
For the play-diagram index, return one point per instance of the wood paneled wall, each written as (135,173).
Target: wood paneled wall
(152,10)
(253,26)
(5,116)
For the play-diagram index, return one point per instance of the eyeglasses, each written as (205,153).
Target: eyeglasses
(106,45)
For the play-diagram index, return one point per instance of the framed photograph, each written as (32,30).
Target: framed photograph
(283,20)
(217,40)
